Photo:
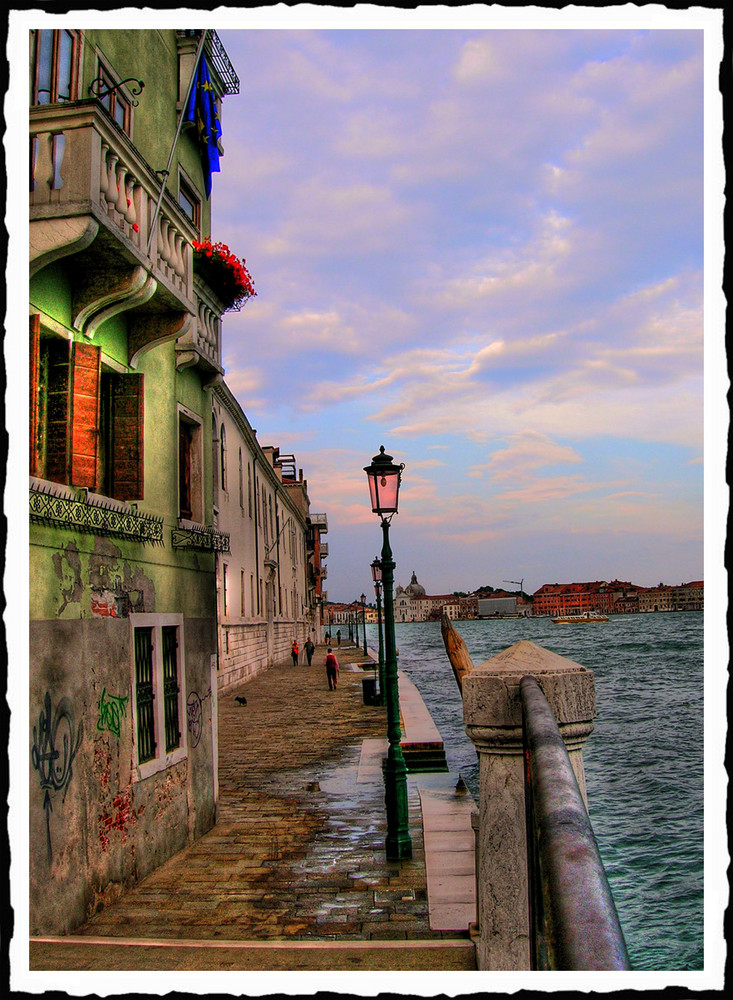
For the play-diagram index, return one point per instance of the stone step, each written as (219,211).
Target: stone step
(88,954)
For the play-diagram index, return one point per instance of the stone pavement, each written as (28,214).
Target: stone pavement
(296,860)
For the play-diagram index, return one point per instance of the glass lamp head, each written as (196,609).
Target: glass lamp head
(384,478)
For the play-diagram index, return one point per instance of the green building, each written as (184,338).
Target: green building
(125,343)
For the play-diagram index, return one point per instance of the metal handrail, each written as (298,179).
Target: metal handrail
(573,917)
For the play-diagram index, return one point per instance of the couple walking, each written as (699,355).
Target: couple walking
(295,651)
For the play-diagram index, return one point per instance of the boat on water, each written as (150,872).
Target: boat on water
(580,619)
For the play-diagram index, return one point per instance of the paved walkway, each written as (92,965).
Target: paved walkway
(297,854)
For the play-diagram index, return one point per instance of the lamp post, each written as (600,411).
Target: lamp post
(377,577)
(384,479)
(363,620)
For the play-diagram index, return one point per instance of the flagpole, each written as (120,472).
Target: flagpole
(167,170)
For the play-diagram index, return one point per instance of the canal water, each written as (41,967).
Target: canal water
(643,761)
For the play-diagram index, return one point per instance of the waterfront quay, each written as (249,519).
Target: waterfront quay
(294,874)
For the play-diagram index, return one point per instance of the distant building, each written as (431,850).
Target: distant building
(501,603)
(412,604)
(616,597)
(686,597)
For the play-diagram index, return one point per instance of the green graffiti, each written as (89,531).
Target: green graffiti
(111,710)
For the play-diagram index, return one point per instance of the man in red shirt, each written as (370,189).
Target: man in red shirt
(332,669)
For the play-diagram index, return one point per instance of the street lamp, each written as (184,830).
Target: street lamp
(384,479)
(363,620)
(377,577)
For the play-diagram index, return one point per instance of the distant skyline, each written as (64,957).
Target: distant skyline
(484,250)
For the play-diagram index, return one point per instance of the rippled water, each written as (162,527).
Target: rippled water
(643,762)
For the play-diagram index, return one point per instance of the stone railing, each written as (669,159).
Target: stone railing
(83,165)
(525,875)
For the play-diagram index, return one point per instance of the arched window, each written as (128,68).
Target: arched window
(223,453)
(241,483)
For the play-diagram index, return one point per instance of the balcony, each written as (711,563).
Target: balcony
(92,195)
(324,550)
(319,522)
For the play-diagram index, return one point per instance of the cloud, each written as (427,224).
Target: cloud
(525,453)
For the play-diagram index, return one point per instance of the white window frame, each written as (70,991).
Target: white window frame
(162,760)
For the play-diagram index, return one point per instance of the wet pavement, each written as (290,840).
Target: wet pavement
(297,853)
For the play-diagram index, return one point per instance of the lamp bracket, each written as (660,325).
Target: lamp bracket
(136,88)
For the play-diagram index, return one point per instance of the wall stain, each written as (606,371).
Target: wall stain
(67,566)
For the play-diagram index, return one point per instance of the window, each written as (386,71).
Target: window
(241,483)
(225,590)
(53,66)
(242,599)
(223,457)
(158,698)
(249,489)
(190,502)
(113,99)
(215,458)
(86,421)
(189,201)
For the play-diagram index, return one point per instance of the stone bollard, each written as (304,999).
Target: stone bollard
(492,714)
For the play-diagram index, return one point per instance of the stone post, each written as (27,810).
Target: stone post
(492,714)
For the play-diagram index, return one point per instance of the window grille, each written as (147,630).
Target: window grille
(170,686)
(145,695)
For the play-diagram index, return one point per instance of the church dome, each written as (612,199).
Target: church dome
(414,588)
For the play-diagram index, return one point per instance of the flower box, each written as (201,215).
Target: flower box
(224,273)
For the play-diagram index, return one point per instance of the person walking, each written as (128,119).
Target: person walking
(338,638)
(332,669)
(294,652)
(309,648)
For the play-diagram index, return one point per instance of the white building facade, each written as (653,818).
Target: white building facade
(262,581)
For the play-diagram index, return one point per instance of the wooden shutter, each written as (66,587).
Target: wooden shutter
(84,435)
(35,363)
(56,355)
(127,418)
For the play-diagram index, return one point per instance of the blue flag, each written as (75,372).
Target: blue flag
(201,110)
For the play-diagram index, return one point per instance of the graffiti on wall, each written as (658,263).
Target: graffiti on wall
(55,745)
(112,709)
(195,715)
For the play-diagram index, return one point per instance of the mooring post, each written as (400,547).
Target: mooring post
(492,714)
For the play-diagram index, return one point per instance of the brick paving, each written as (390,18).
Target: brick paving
(297,853)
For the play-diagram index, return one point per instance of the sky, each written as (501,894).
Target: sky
(482,249)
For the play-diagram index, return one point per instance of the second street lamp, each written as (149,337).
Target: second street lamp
(384,479)
(377,577)
(363,620)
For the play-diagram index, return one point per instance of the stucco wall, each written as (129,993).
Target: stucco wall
(94,827)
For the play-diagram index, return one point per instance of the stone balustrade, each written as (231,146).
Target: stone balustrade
(82,165)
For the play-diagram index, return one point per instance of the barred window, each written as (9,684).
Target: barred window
(157,674)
